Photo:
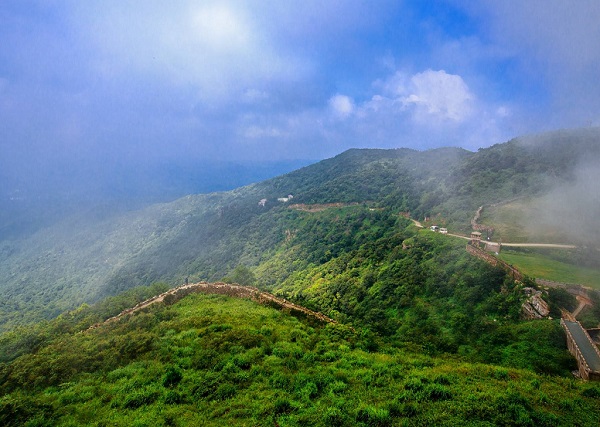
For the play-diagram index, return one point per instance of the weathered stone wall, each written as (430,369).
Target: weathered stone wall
(232,290)
(490,259)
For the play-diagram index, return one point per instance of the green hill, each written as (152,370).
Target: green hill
(86,258)
(214,360)
(427,334)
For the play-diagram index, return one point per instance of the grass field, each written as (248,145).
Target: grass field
(537,265)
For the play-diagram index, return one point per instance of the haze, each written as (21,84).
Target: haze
(119,97)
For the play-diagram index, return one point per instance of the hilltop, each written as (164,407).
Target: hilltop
(214,360)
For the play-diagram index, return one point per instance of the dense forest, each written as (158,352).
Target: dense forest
(87,257)
(426,335)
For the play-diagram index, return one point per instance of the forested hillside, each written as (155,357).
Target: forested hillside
(205,237)
(426,333)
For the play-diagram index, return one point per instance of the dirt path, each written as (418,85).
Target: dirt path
(459,236)
(583,301)
(417,223)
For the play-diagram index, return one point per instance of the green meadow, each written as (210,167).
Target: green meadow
(542,266)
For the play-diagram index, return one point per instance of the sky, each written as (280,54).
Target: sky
(100,85)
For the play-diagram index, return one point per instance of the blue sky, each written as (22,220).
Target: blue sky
(135,82)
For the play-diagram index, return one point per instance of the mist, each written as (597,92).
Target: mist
(572,208)
(34,198)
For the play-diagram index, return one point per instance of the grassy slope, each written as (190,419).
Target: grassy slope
(514,222)
(213,361)
(538,265)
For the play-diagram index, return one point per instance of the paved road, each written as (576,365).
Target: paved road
(586,347)
(540,245)
(523,245)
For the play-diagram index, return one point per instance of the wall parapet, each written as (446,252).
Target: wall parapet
(491,259)
(233,290)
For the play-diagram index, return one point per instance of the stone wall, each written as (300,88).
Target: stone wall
(232,290)
(491,259)
(584,370)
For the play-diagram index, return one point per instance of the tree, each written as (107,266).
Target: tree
(241,275)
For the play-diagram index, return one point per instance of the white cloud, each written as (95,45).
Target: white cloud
(428,95)
(427,109)
(341,105)
(439,95)
(257,132)
(215,48)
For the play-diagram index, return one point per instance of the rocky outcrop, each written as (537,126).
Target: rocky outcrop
(534,306)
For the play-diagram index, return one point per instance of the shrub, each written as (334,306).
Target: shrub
(335,417)
(372,416)
(500,374)
(414,384)
(544,419)
(172,377)
(442,379)
(172,397)
(397,409)
(139,398)
(225,391)
(309,390)
(593,392)
(437,392)
(281,381)
(283,406)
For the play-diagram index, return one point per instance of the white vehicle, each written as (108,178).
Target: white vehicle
(444,230)
(434,228)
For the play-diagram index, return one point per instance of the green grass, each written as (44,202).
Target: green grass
(217,361)
(540,266)
(518,222)
(507,221)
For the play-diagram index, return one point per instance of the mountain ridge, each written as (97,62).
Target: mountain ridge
(208,235)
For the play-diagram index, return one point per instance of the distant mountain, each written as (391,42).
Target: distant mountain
(83,258)
(31,200)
